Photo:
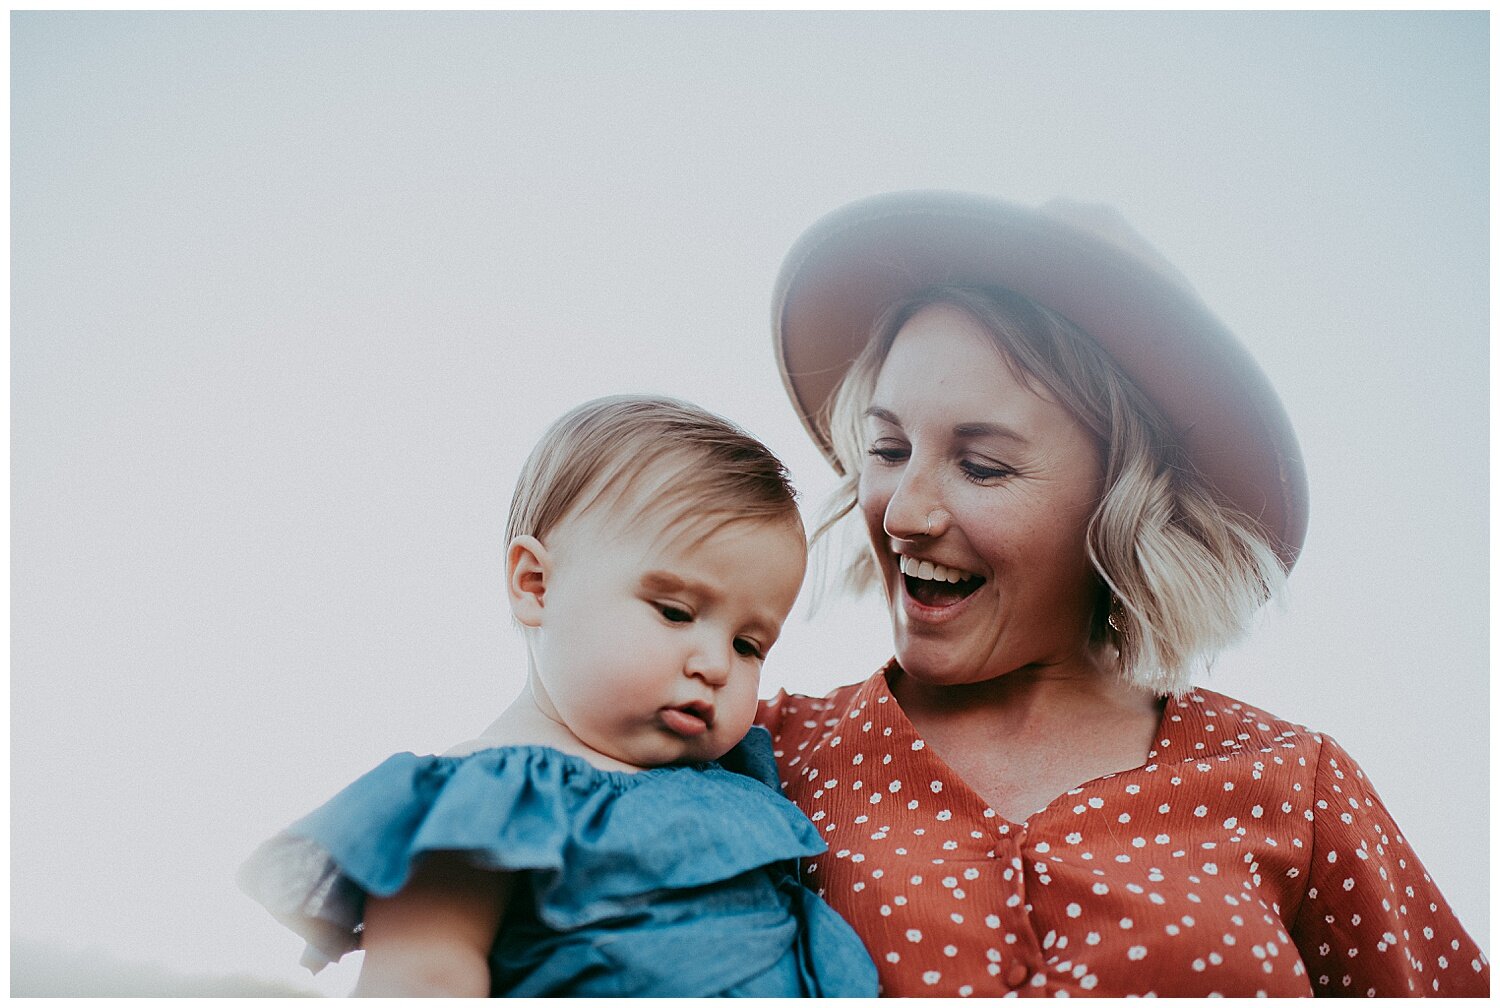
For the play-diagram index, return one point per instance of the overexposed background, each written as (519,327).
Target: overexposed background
(293,294)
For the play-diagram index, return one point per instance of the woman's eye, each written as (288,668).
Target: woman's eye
(889,452)
(747,648)
(979,472)
(674,614)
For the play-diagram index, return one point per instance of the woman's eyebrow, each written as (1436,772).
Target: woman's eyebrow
(973,429)
(986,429)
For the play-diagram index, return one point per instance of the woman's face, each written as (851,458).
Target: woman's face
(976,495)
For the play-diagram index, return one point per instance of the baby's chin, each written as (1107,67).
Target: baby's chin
(726,738)
(676,753)
(718,752)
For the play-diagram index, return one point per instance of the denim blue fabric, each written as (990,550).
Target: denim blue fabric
(670,882)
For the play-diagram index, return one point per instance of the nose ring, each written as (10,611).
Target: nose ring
(928,530)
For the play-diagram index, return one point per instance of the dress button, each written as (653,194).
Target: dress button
(1016,974)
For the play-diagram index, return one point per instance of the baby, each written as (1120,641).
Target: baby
(619,830)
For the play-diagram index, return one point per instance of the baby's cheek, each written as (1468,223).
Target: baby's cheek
(737,710)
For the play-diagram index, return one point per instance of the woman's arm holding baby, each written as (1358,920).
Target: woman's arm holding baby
(433,937)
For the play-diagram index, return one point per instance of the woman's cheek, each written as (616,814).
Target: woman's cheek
(871,499)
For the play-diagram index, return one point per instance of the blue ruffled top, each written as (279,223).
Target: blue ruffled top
(669,882)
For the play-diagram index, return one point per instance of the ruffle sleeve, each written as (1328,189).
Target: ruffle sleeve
(593,842)
(1372,922)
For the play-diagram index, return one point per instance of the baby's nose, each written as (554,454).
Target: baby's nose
(709,663)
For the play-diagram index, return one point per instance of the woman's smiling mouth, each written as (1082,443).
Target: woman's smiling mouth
(934,585)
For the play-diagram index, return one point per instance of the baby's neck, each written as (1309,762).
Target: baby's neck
(524,722)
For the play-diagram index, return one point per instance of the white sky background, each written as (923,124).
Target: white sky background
(293,294)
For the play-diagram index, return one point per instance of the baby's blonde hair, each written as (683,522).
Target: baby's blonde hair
(1189,571)
(648,454)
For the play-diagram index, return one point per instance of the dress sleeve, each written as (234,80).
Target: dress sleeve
(1372,922)
(771,713)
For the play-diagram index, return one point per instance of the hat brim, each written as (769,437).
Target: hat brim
(853,264)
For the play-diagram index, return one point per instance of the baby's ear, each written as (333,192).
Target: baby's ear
(527,567)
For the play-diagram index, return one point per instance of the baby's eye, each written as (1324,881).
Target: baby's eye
(747,648)
(673,614)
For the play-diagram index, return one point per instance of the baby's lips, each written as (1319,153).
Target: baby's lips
(689,720)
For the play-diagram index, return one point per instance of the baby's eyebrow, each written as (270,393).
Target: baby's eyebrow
(667,581)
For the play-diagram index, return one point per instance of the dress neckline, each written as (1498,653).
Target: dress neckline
(1171,733)
(578,763)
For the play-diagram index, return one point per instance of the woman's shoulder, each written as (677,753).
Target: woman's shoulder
(1213,729)
(1203,723)
(799,713)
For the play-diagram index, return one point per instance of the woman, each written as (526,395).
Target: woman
(1077,487)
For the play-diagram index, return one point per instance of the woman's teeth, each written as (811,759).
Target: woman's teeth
(934,585)
(926,570)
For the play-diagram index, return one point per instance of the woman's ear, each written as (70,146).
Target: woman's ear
(527,567)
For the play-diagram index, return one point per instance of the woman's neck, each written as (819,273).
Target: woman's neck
(1024,738)
(1025,699)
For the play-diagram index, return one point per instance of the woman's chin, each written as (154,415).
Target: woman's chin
(934,664)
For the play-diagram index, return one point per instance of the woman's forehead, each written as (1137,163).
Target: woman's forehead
(945,376)
(951,358)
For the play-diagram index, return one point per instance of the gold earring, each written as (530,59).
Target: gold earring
(1117,616)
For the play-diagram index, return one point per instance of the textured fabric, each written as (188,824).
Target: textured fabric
(1247,856)
(617,873)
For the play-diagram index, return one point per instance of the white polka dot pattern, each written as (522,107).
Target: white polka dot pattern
(1248,856)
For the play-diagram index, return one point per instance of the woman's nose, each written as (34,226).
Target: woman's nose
(914,510)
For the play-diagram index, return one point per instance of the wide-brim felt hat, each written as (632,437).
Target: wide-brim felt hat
(1085,263)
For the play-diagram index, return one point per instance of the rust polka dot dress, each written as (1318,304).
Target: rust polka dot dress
(1248,856)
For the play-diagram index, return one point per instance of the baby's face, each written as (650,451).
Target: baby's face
(652,640)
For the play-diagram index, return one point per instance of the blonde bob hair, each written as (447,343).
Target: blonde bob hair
(648,456)
(1184,572)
